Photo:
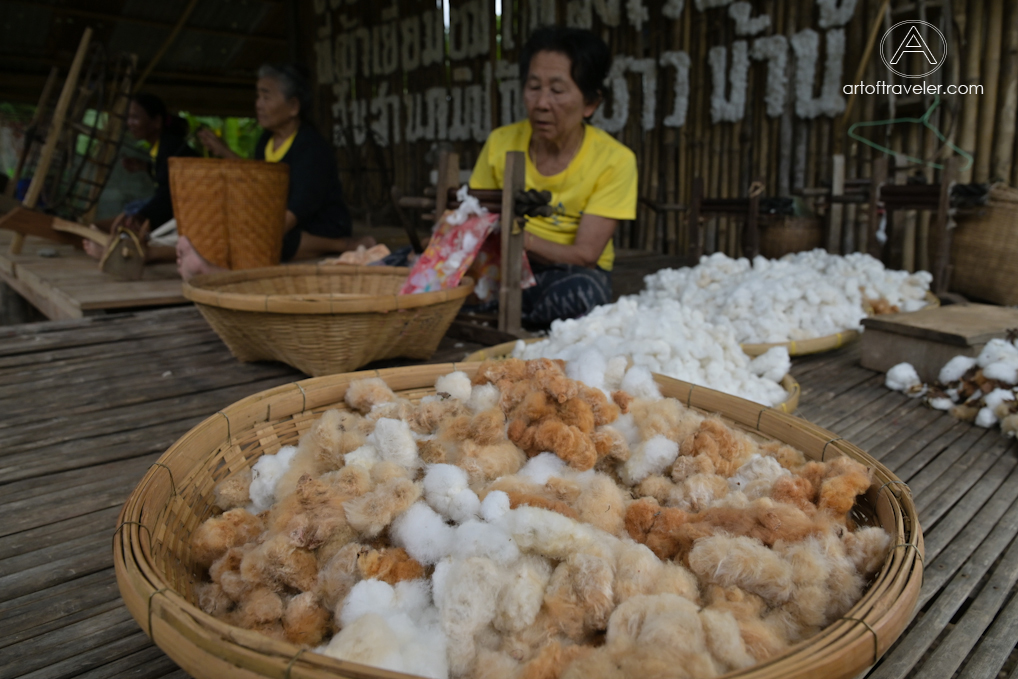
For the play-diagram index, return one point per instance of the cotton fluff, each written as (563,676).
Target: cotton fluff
(941,403)
(483,397)
(395,443)
(456,384)
(366,456)
(985,418)
(800,296)
(998,350)
(996,397)
(446,490)
(639,382)
(495,505)
(394,628)
(423,533)
(590,368)
(955,369)
(656,335)
(902,377)
(756,477)
(265,473)
(773,364)
(468,206)
(1004,371)
(475,538)
(652,456)
(542,467)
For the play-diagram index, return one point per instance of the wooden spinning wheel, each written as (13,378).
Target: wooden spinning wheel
(74,139)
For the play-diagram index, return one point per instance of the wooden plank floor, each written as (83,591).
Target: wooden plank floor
(88,405)
(70,284)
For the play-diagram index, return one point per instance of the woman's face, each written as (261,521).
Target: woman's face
(272,107)
(141,125)
(554,102)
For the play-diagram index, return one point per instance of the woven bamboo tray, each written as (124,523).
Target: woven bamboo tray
(502,350)
(324,320)
(821,344)
(157,577)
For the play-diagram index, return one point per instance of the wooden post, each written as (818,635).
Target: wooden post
(55,127)
(873,246)
(751,234)
(510,297)
(835,212)
(47,89)
(693,226)
(448,178)
(942,266)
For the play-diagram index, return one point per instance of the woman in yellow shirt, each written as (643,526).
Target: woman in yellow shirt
(591,176)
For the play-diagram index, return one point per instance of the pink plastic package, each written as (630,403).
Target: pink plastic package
(449,254)
(486,269)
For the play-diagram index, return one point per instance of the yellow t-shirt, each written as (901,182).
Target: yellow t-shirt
(599,180)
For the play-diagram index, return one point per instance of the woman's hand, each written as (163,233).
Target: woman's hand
(215,145)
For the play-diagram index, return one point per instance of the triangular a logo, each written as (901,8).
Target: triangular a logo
(914,42)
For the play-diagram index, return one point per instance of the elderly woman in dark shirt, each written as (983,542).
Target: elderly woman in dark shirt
(317,220)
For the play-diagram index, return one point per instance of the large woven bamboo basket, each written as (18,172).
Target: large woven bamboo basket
(324,319)
(984,253)
(157,575)
(232,211)
(820,344)
(503,350)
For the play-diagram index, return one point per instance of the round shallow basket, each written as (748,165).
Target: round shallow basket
(506,348)
(821,344)
(324,319)
(157,575)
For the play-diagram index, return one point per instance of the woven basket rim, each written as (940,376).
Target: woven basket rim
(279,168)
(201,643)
(203,290)
(503,350)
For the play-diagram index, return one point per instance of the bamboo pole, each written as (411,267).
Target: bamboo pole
(970,104)
(1007,116)
(878,21)
(989,76)
(56,126)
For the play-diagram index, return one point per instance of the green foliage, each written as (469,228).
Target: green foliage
(240,134)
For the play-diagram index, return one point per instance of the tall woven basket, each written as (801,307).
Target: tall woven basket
(324,319)
(157,575)
(984,254)
(232,211)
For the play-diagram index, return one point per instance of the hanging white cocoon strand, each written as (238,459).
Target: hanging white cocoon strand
(834,13)
(744,25)
(732,107)
(805,44)
(774,50)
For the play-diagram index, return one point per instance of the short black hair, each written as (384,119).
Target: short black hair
(156,108)
(294,81)
(588,54)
